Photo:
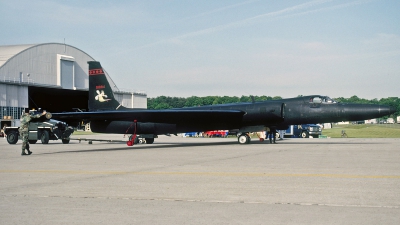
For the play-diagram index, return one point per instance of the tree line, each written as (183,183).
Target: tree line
(165,102)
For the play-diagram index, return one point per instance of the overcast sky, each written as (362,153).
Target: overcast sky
(338,48)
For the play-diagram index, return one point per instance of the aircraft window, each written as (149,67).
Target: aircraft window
(328,100)
(320,99)
(315,100)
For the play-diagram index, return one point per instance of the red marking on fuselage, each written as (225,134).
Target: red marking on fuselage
(100,86)
(96,71)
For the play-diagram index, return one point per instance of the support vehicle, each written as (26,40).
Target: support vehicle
(303,131)
(43,129)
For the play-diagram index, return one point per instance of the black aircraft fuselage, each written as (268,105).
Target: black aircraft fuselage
(306,109)
(106,114)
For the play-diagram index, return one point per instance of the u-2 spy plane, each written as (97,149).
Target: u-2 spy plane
(106,115)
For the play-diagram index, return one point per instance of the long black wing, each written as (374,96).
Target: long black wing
(157,116)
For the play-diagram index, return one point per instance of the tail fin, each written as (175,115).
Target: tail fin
(101,96)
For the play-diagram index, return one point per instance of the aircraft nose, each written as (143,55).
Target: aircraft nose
(355,112)
(385,110)
(392,110)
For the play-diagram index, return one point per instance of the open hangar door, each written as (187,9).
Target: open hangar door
(57,100)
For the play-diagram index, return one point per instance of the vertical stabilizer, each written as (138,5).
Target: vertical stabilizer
(101,96)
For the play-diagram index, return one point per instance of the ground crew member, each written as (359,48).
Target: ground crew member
(272,135)
(267,130)
(23,129)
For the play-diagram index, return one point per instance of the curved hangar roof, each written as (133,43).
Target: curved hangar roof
(50,64)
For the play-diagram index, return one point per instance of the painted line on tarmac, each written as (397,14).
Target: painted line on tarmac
(206,201)
(220,174)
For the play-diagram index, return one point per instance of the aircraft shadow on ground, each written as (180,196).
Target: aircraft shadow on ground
(166,145)
(160,145)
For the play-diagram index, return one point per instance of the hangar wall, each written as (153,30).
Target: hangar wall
(135,100)
(27,71)
(41,64)
(13,101)
(13,95)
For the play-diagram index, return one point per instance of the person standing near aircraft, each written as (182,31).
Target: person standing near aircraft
(272,135)
(267,131)
(23,129)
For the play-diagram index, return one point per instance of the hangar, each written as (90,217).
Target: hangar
(51,76)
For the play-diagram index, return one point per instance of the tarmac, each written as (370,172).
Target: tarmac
(201,181)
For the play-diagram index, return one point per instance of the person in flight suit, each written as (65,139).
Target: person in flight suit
(23,129)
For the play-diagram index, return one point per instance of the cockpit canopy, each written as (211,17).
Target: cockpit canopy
(321,100)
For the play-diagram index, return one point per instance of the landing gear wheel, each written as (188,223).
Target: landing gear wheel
(304,134)
(12,137)
(244,139)
(149,140)
(45,137)
(65,141)
(136,141)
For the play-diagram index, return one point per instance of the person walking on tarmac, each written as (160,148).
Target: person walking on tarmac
(272,135)
(23,129)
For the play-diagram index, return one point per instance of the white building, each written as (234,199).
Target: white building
(371,121)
